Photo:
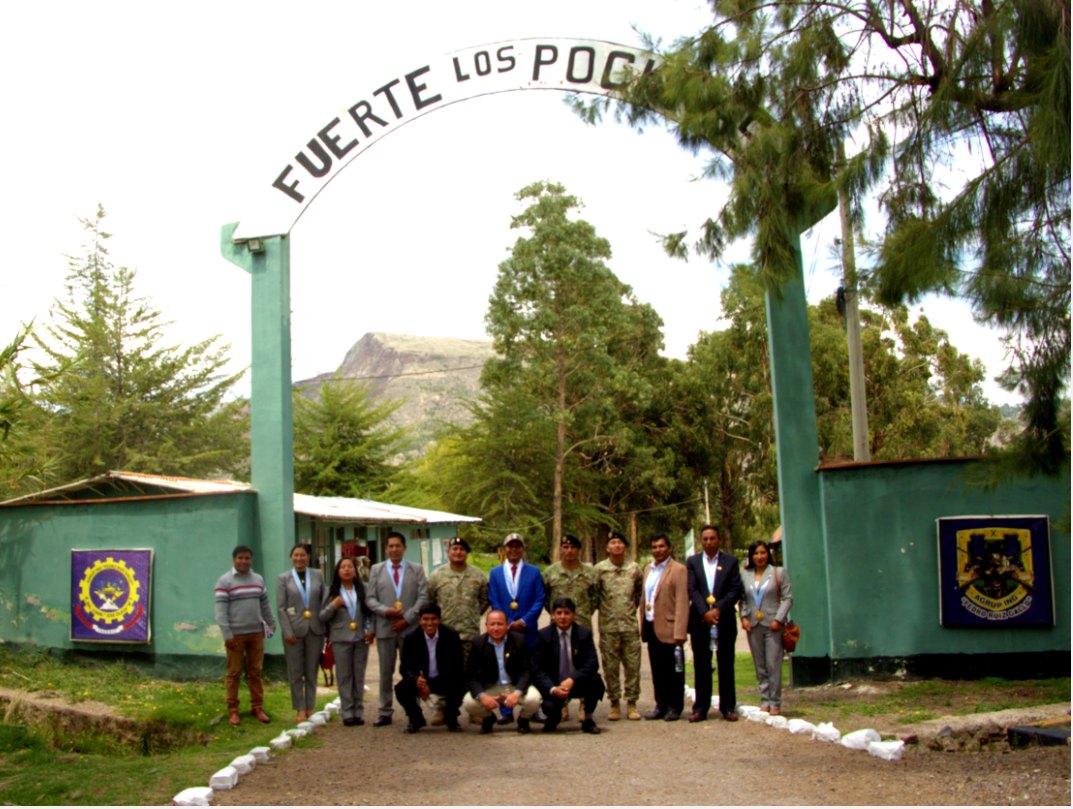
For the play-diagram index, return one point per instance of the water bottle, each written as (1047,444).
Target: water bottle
(679,660)
(714,644)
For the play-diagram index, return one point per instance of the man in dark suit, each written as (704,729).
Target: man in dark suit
(498,676)
(714,590)
(565,666)
(431,664)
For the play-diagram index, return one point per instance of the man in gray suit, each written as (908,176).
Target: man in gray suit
(395,594)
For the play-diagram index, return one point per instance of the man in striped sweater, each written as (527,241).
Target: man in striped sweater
(245,618)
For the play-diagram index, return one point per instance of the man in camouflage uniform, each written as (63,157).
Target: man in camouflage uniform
(570,578)
(618,589)
(461,590)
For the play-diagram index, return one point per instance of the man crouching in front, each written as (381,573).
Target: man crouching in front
(497,673)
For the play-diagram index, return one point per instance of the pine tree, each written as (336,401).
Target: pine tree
(116,397)
(924,94)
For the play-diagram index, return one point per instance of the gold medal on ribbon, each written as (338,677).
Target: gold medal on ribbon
(710,600)
(648,606)
(514,605)
(353,625)
(307,614)
(759,615)
(398,605)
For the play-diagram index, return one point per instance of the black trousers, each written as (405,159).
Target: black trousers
(451,691)
(669,685)
(589,691)
(702,668)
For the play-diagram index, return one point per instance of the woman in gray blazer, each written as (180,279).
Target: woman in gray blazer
(350,627)
(299,593)
(764,609)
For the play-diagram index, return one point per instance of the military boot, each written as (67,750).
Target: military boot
(615,713)
(631,710)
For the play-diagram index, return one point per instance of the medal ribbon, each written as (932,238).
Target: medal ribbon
(512,583)
(303,589)
(759,589)
(652,583)
(350,598)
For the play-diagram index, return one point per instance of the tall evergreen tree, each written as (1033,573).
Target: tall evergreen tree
(342,446)
(971,96)
(115,396)
(571,336)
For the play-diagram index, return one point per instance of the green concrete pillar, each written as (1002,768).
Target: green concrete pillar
(268,261)
(797,454)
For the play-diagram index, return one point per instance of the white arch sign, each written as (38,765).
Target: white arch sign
(573,65)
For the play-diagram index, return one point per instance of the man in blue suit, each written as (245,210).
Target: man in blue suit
(517,589)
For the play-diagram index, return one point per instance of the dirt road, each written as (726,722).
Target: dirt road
(646,763)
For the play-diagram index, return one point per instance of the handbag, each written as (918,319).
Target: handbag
(327,663)
(791,632)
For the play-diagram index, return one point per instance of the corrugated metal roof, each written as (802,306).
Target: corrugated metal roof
(340,509)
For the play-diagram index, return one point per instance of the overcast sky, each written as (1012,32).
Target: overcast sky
(175,117)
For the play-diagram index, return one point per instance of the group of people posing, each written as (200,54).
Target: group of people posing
(430,627)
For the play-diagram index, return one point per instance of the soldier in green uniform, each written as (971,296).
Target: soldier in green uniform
(573,579)
(619,585)
(461,590)
(570,578)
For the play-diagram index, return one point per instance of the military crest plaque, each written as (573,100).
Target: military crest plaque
(995,571)
(110,592)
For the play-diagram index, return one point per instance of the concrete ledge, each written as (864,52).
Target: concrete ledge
(979,731)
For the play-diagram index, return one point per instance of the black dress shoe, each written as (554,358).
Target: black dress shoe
(523,726)
(589,726)
(487,724)
(350,721)
(381,721)
(454,727)
(672,716)
(697,716)
(413,727)
(550,728)
(656,713)
(357,720)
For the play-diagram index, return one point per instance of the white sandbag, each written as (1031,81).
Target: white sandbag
(297,733)
(826,732)
(319,719)
(746,710)
(859,739)
(281,742)
(800,726)
(777,722)
(194,796)
(332,708)
(261,754)
(307,726)
(244,764)
(757,716)
(224,779)
(888,751)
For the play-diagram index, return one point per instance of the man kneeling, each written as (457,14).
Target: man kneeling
(498,674)
(431,664)
(565,667)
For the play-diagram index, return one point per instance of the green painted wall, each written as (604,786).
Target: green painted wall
(191,539)
(881,548)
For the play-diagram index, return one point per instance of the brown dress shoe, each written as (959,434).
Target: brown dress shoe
(260,715)
(697,716)
(730,716)
(232,717)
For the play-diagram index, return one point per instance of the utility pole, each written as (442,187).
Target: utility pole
(857,397)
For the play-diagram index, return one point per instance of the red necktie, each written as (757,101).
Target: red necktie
(396,575)
(514,571)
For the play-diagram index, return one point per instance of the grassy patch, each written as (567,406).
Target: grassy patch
(49,765)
